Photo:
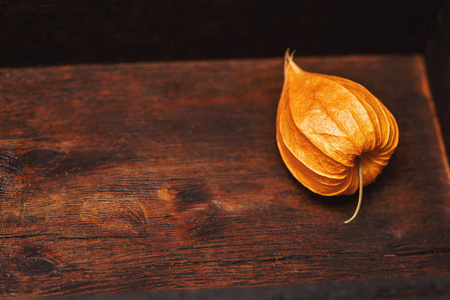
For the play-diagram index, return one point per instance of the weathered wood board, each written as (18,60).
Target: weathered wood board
(163,176)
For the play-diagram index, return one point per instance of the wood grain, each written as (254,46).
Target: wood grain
(165,176)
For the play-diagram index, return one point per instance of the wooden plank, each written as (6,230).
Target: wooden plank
(155,177)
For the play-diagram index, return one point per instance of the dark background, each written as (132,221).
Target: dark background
(68,32)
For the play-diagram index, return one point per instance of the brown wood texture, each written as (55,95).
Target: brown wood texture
(164,176)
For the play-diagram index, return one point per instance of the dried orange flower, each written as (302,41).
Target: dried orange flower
(333,134)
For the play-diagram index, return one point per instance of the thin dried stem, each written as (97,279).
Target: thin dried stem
(360,192)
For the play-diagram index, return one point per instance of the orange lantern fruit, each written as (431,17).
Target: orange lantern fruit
(333,135)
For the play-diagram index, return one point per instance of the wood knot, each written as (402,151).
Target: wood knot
(41,158)
(32,262)
(203,221)
(195,213)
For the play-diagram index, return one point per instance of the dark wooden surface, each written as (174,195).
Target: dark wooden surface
(62,31)
(156,177)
